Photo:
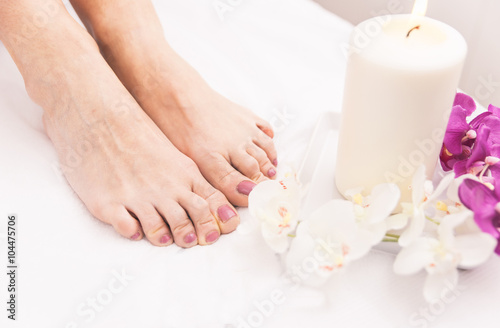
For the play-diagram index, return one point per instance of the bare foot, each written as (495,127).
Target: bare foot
(131,176)
(232,147)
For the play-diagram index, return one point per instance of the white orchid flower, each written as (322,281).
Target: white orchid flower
(327,242)
(276,205)
(441,256)
(453,205)
(423,194)
(372,211)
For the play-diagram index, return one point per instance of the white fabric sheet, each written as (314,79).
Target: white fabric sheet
(273,56)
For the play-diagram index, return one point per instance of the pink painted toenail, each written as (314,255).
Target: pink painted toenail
(212,237)
(271,173)
(190,238)
(164,239)
(275,162)
(136,236)
(225,213)
(245,187)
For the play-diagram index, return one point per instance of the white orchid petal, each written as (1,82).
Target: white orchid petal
(414,229)
(304,255)
(442,186)
(260,196)
(374,232)
(418,185)
(335,219)
(277,242)
(415,257)
(301,247)
(360,245)
(469,226)
(384,199)
(353,192)
(448,225)
(300,257)
(452,192)
(276,204)
(437,284)
(397,221)
(474,249)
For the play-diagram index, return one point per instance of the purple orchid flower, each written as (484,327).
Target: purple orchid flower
(461,136)
(458,128)
(485,203)
(484,159)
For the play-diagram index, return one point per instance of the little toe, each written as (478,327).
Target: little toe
(265,165)
(183,231)
(207,228)
(153,225)
(122,221)
(265,127)
(227,217)
(267,144)
(234,185)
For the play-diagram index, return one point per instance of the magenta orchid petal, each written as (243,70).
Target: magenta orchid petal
(476,195)
(494,110)
(495,150)
(482,148)
(495,172)
(492,122)
(460,168)
(456,130)
(476,122)
(483,202)
(466,102)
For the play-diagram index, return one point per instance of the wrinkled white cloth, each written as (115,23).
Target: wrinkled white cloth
(282,59)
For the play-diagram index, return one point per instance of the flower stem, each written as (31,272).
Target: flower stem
(392,235)
(292,235)
(432,220)
(390,240)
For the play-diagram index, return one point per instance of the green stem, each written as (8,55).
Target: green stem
(389,240)
(392,235)
(292,235)
(432,220)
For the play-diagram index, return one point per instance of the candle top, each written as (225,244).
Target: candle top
(409,42)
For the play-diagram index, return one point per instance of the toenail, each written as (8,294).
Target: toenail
(275,162)
(212,237)
(190,238)
(245,187)
(271,173)
(164,239)
(225,213)
(136,236)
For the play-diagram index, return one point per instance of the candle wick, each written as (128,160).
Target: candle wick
(413,29)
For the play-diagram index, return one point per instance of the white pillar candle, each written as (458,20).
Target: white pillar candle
(402,76)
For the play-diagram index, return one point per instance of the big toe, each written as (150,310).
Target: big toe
(224,177)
